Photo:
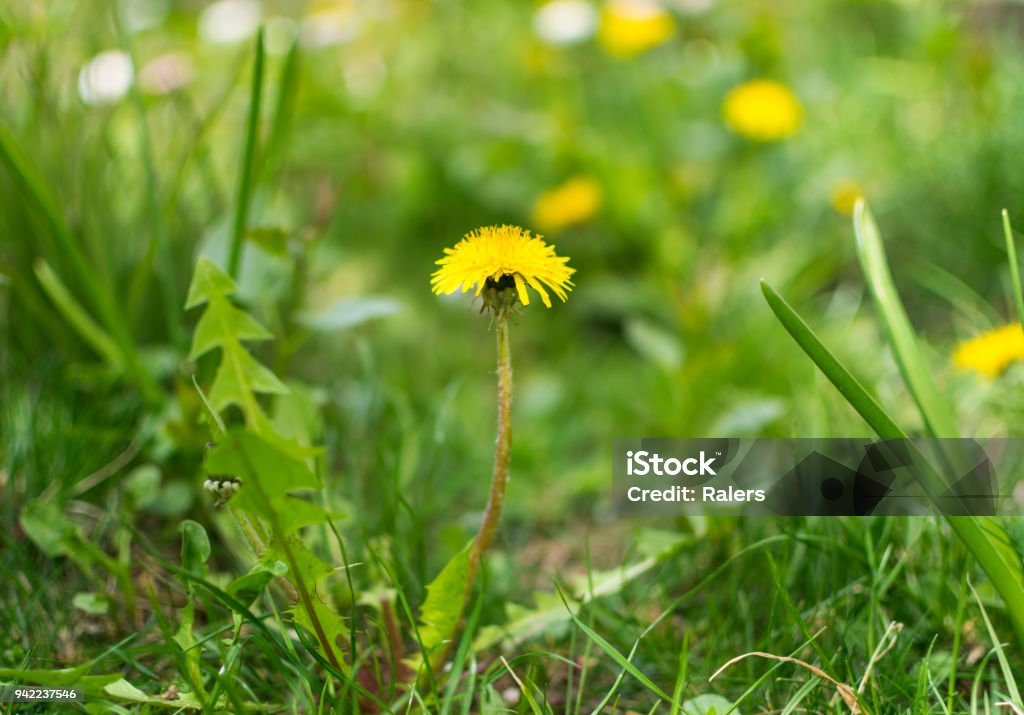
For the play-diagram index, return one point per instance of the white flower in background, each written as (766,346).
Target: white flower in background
(228,22)
(166,73)
(565,22)
(106,77)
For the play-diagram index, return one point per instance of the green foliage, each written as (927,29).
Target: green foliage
(269,465)
(240,377)
(548,615)
(248,587)
(982,535)
(246,176)
(1011,257)
(110,687)
(56,535)
(324,179)
(444,605)
(917,374)
(195,552)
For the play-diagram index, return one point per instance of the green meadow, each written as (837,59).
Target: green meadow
(260,452)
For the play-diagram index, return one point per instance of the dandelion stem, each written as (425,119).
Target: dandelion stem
(502,452)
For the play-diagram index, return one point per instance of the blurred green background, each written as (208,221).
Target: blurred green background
(390,128)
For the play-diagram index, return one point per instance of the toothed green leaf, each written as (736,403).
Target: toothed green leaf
(445,595)
(239,378)
(208,281)
(223,323)
(267,471)
(334,627)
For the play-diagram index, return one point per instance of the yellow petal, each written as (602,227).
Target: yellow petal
(521,287)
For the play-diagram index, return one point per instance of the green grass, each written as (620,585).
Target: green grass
(327,180)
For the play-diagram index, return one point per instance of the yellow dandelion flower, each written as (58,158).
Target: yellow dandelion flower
(762,110)
(843,197)
(991,352)
(574,202)
(500,257)
(631,27)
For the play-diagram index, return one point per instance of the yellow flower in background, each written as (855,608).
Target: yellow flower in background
(500,257)
(763,110)
(991,352)
(843,196)
(631,27)
(574,202)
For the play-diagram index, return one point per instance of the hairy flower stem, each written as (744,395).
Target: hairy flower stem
(502,453)
(499,482)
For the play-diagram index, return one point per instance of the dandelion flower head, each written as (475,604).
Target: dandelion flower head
(500,257)
(843,196)
(574,202)
(631,27)
(991,352)
(763,110)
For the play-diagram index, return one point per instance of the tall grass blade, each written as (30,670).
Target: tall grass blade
(835,371)
(101,299)
(77,316)
(284,103)
(982,536)
(935,410)
(246,177)
(169,282)
(997,647)
(624,662)
(1011,254)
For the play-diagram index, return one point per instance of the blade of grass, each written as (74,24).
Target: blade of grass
(937,413)
(677,691)
(989,536)
(246,177)
(42,314)
(77,316)
(983,537)
(31,184)
(835,371)
(950,288)
(1011,254)
(793,611)
(284,102)
(1004,664)
(156,229)
(623,662)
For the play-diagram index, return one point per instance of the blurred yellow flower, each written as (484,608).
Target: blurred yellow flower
(991,352)
(631,27)
(844,195)
(574,202)
(499,257)
(762,110)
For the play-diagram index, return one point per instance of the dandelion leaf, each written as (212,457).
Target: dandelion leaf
(336,631)
(247,588)
(220,322)
(310,567)
(195,547)
(445,595)
(240,377)
(208,281)
(267,468)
